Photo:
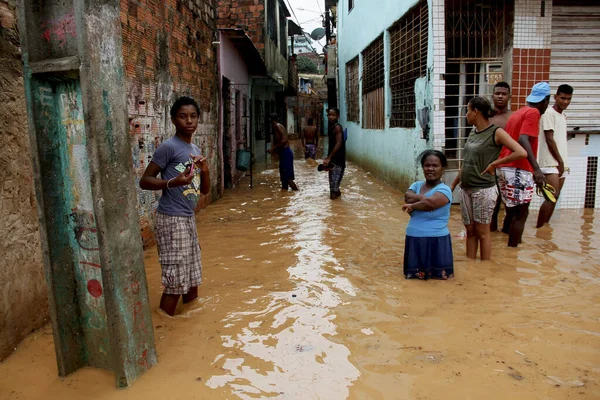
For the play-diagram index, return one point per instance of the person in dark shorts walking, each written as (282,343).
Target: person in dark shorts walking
(286,156)
(337,153)
(310,140)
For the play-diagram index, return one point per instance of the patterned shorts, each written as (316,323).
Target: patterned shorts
(179,253)
(335,178)
(310,151)
(477,205)
(516,186)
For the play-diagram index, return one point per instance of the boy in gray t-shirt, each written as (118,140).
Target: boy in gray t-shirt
(184,176)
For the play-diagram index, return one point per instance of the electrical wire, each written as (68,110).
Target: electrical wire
(294,13)
(319,5)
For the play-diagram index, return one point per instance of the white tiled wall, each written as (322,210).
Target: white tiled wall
(532,31)
(573,193)
(437,25)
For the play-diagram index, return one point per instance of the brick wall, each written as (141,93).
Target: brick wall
(168,52)
(247,14)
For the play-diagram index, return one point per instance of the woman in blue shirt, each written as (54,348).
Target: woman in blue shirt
(428,246)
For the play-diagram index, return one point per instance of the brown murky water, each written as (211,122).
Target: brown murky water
(305,299)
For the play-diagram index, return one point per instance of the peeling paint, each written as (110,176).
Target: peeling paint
(108,128)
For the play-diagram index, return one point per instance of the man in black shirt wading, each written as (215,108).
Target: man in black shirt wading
(336,160)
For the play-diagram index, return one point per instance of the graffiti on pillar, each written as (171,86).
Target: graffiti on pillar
(58,30)
(82,222)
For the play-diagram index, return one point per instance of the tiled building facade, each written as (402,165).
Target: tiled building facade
(518,41)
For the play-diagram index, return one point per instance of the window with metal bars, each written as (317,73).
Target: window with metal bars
(352,96)
(408,61)
(282,33)
(272,20)
(590,182)
(373,81)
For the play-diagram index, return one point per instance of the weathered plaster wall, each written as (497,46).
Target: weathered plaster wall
(233,67)
(168,52)
(389,153)
(277,66)
(23,293)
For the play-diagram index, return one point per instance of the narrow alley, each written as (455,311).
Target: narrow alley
(304,298)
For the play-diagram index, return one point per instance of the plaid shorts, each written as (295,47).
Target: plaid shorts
(516,185)
(178,253)
(477,205)
(335,178)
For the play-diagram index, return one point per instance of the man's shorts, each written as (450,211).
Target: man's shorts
(310,151)
(179,253)
(477,205)
(516,186)
(554,170)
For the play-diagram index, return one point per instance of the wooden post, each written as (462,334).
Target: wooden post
(77,115)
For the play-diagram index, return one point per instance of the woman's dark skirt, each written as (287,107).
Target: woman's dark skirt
(428,257)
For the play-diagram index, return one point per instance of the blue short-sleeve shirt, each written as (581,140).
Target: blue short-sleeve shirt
(173,157)
(430,223)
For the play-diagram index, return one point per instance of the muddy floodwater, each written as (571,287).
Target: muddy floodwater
(304,298)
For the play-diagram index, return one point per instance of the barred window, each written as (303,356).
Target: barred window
(408,61)
(373,82)
(272,20)
(352,96)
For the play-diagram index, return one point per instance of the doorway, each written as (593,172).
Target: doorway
(478,35)
(226,136)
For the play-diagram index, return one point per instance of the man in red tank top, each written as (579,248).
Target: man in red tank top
(517,179)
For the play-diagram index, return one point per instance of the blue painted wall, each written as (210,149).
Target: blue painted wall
(390,153)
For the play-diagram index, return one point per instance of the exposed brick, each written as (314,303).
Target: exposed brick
(151,63)
(249,13)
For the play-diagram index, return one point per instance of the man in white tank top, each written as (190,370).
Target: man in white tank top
(553,153)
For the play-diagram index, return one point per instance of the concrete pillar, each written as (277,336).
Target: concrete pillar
(83,172)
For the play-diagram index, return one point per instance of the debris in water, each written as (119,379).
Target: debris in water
(367,331)
(515,374)
(560,382)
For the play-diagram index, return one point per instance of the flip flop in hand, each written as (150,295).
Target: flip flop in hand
(547,191)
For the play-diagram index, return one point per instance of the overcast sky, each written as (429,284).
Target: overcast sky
(309,14)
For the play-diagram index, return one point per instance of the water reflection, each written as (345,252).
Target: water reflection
(286,347)
(304,298)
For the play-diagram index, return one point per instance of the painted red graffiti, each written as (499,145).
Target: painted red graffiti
(138,318)
(94,288)
(91,264)
(144,359)
(59,29)
(134,286)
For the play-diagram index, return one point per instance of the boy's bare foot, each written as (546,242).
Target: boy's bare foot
(293,185)
(168,303)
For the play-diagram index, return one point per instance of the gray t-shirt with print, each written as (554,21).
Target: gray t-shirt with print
(173,157)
